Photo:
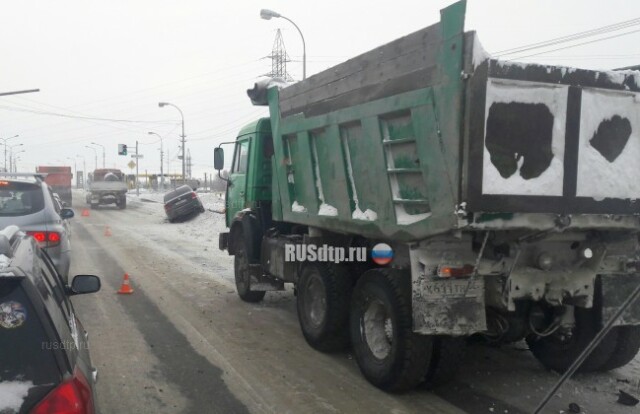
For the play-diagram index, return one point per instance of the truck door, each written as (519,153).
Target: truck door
(236,189)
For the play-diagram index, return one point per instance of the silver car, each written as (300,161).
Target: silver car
(27,202)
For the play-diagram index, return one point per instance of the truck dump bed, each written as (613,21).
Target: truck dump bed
(59,179)
(404,141)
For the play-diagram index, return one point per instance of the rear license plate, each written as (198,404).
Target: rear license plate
(452,288)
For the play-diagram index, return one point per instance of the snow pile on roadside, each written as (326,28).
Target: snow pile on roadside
(195,238)
(210,201)
(12,395)
(213,203)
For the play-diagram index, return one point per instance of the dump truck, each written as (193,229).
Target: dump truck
(494,199)
(59,179)
(107,186)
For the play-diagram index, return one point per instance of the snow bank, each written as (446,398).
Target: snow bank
(12,395)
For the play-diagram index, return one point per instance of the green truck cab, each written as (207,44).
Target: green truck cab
(506,193)
(249,184)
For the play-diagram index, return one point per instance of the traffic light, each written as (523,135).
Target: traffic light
(122,149)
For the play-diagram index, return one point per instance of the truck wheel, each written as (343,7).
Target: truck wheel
(558,351)
(448,352)
(627,347)
(122,204)
(390,355)
(323,295)
(242,275)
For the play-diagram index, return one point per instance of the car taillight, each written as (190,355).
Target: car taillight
(73,396)
(40,236)
(46,238)
(53,237)
(194,195)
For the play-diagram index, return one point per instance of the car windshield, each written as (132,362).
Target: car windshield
(20,199)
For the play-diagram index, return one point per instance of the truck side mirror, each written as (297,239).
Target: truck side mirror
(218,158)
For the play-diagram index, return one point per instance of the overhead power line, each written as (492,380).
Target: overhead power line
(578,44)
(92,118)
(569,38)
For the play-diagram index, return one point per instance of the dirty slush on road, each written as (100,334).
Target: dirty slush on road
(495,207)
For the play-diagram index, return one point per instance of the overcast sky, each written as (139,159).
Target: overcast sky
(117,59)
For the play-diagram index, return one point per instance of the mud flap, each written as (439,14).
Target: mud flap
(252,237)
(615,290)
(223,241)
(263,282)
(448,306)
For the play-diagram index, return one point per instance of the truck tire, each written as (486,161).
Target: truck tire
(557,352)
(627,347)
(241,273)
(122,203)
(448,352)
(390,355)
(323,296)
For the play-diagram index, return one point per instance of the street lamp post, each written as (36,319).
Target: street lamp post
(13,163)
(103,153)
(4,142)
(95,153)
(268,14)
(11,147)
(184,150)
(161,159)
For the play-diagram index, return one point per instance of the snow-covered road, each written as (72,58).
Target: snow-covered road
(185,314)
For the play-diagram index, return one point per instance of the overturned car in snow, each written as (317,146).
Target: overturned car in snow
(508,193)
(182,202)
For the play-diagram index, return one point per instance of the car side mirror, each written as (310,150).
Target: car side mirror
(66,213)
(218,158)
(82,284)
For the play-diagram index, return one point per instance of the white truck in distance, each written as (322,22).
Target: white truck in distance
(107,186)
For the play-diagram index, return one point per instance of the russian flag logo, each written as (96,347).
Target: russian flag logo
(382,254)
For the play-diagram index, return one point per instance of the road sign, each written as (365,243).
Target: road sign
(131,165)
(136,156)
